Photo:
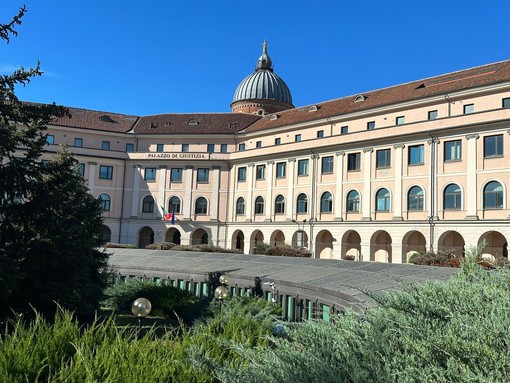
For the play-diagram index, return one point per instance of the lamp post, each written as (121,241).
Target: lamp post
(221,292)
(300,233)
(140,308)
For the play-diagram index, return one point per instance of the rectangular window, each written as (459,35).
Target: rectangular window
(277,141)
(202,175)
(160,148)
(344,130)
(224,148)
(78,142)
(105,145)
(506,103)
(210,148)
(50,139)
(432,114)
(105,172)
(302,168)
(280,170)
(416,155)
(327,164)
(493,146)
(353,161)
(176,175)
(453,150)
(185,148)
(297,137)
(400,120)
(81,169)
(150,174)
(258,144)
(242,147)
(261,172)
(320,133)
(469,108)
(130,147)
(241,174)
(371,125)
(383,158)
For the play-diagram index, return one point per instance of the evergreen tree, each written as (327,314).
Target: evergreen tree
(41,248)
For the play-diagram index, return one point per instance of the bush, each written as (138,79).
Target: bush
(205,249)
(110,245)
(160,246)
(441,258)
(288,251)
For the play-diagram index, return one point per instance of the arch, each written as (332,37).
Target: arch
(415,199)
(496,246)
(302,204)
(380,247)
(300,239)
(279,204)
(324,245)
(106,202)
(259,205)
(413,242)
(199,237)
(256,238)
(201,206)
(452,197)
(452,241)
(240,206)
(277,238)
(353,201)
(493,195)
(238,240)
(326,202)
(148,204)
(173,235)
(107,234)
(382,200)
(174,204)
(351,245)
(145,237)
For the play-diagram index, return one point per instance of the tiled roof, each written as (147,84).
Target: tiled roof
(194,123)
(440,85)
(96,120)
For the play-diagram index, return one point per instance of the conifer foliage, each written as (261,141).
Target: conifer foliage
(49,224)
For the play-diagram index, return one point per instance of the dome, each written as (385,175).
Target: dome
(264,84)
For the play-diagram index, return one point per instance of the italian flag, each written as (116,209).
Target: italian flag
(166,215)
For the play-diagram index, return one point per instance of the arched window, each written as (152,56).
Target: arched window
(259,205)
(452,197)
(106,202)
(326,202)
(240,206)
(148,204)
(201,206)
(353,201)
(302,203)
(382,200)
(415,198)
(493,195)
(279,204)
(174,205)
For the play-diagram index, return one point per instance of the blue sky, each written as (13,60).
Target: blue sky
(157,57)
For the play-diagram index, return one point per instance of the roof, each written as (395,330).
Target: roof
(194,123)
(434,86)
(96,120)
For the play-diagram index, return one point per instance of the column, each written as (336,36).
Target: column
(290,189)
(433,179)
(398,197)
(471,191)
(269,192)
(137,176)
(187,202)
(339,198)
(92,176)
(367,177)
(249,200)
(213,211)
(161,188)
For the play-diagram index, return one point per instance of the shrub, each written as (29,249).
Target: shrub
(110,245)
(160,246)
(205,249)
(261,248)
(288,251)
(441,258)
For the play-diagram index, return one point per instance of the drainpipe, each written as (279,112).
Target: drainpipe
(315,156)
(433,141)
(122,201)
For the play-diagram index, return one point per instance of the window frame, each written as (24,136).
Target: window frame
(302,204)
(432,115)
(297,137)
(172,204)
(105,145)
(224,148)
(456,145)
(320,133)
(277,141)
(201,204)
(105,172)
(149,174)
(498,146)
(281,169)
(129,145)
(383,158)
(354,162)
(241,147)
(327,165)
(211,148)
(258,144)
(106,204)
(370,125)
(353,201)
(468,108)
(260,172)
(81,169)
(202,175)
(240,206)
(421,155)
(241,174)
(505,102)
(148,204)
(497,195)
(279,204)
(383,202)
(160,148)
(415,201)
(50,139)
(78,142)
(259,205)
(184,148)
(455,195)
(400,120)
(176,174)
(303,171)
(344,129)
(326,203)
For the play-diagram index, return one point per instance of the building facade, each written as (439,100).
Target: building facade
(374,177)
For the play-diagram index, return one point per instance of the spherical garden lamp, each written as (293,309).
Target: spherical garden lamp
(221,292)
(141,308)
(223,279)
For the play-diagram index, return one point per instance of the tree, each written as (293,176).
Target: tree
(40,242)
